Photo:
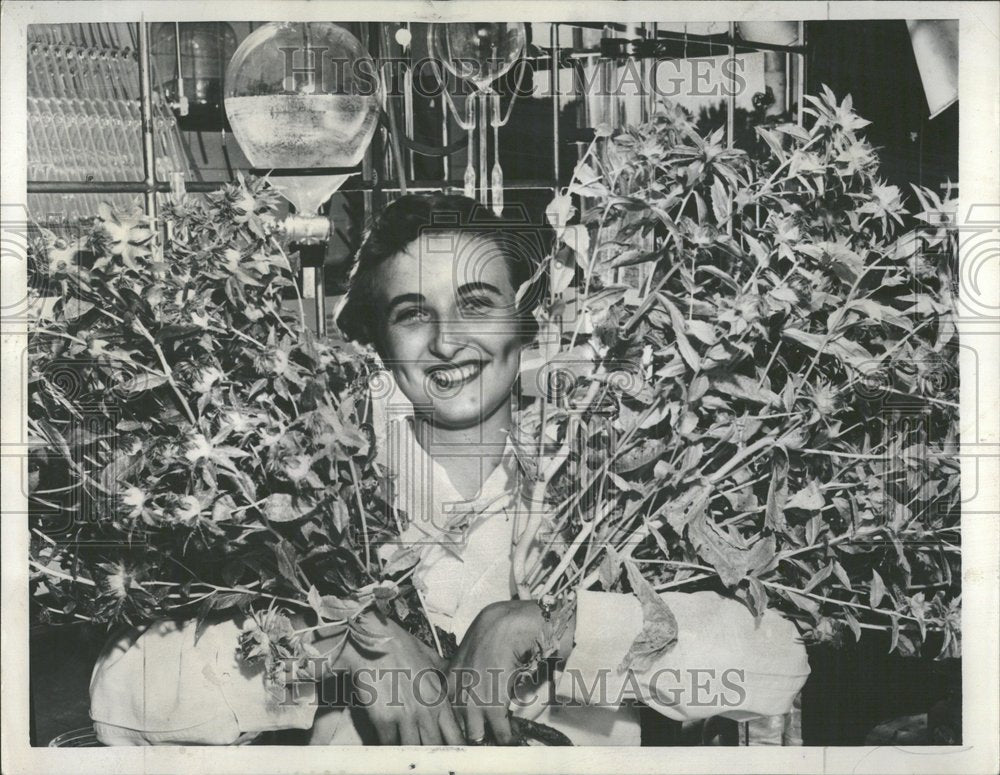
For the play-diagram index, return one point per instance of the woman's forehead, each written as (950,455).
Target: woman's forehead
(442,261)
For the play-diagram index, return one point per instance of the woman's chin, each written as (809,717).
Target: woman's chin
(462,411)
(457,417)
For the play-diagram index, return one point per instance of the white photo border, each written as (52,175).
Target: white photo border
(979,163)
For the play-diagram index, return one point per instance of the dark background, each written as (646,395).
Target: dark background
(873,61)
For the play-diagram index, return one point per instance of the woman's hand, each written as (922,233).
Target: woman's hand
(404,688)
(483,671)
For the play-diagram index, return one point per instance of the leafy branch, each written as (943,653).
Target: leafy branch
(742,448)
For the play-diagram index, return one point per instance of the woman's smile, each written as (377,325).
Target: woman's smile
(456,375)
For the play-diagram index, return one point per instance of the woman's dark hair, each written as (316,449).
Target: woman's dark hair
(406,219)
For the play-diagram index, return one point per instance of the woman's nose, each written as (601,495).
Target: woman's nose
(447,339)
(450,336)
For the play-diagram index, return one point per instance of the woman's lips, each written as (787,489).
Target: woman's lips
(453,376)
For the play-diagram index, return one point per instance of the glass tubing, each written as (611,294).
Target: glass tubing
(85,114)
(85,119)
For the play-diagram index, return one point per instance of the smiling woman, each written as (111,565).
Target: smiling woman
(443,290)
(450,344)
(435,290)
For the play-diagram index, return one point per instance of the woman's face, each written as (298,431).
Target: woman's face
(448,328)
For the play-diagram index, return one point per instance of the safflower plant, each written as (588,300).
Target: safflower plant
(772,414)
(197,450)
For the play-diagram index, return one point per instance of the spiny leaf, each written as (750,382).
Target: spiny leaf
(777,492)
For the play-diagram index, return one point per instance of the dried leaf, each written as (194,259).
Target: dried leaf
(747,388)
(577,238)
(894,638)
(721,201)
(722,550)
(402,559)
(641,454)
(758,597)
(852,622)
(851,353)
(687,352)
(283,507)
(73,308)
(702,330)
(841,574)
(773,141)
(559,212)
(699,386)
(819,577)
(287,562)
(609,569)
(659,629)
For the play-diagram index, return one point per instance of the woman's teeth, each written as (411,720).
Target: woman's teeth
(455,375)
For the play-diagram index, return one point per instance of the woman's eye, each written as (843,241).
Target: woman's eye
(412,315)
(477,306)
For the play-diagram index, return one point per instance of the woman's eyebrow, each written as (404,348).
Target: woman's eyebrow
(403,298)
(470,288)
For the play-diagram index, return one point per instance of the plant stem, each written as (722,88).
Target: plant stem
(823,599)
(331,623)
(681,582)
(621,448)
(849,455)
(298,296)
(824,545)
(361,509)
(167,371)
(770,363)
(61,574)
(676,564)
(829,335)
(420,595)
(739,457)
(567,557)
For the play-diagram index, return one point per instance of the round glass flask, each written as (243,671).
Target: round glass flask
(303,95)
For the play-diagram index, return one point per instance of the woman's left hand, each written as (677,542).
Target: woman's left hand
(484,670)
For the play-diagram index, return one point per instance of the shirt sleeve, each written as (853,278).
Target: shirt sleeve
(170,684)
(724,663)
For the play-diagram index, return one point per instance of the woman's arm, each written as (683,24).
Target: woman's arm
(176,683)
(724,662)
